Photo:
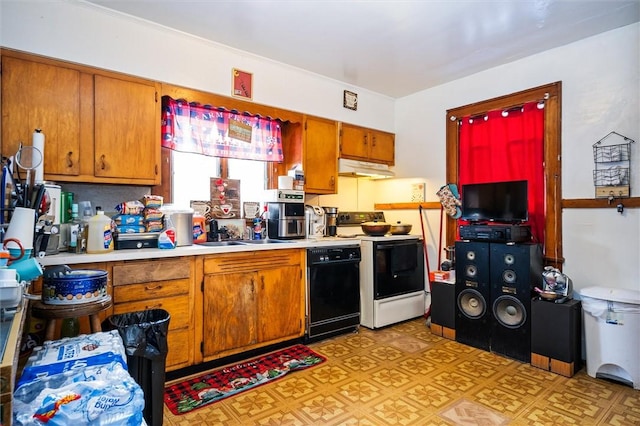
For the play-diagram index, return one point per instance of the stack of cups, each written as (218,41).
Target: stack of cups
(18,240)
(21,227)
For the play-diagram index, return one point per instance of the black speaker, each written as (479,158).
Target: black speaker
(515,270)
(443,309)
(473,294)
(556,332)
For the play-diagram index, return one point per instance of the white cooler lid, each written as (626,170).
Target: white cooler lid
(612,294)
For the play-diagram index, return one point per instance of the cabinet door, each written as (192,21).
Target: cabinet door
(320,155)
(382,147)
(127,130)
(354,142)
(279,304)
(47,97)
(229,312)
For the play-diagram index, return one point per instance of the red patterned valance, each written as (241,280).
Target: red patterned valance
(218,132)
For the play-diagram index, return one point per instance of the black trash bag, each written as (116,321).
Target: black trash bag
(144,335)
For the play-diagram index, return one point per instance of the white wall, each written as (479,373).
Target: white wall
(84,33)
(600,93)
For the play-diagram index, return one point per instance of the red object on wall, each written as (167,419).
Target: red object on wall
(503,146)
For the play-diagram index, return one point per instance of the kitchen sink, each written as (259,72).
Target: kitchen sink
(221,243)
(267,241)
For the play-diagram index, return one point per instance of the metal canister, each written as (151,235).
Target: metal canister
(65,206)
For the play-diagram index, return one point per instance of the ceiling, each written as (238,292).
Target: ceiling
(394,48)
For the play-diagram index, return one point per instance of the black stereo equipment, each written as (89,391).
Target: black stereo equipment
(556,330)
(501,233)
(472,294)
(515,269)
(443,309)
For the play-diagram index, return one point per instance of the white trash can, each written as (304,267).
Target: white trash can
(612,333)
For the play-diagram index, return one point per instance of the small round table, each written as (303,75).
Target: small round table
(51,313)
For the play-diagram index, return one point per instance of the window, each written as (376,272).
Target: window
(552,93)
(192,174)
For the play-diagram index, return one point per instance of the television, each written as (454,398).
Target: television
(504,202)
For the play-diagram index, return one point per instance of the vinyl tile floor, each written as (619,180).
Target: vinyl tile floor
(406,375)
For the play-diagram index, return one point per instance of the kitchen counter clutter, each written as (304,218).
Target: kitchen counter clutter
(194,250)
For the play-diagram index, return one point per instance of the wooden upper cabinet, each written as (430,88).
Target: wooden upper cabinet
(127,129)
(320,150)
(99,126)
(47,97)
(360,143)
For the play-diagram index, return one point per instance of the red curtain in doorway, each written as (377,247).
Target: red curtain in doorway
(507,145)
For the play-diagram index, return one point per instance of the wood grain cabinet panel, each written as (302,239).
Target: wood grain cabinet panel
(320,155)
(46,97)
(161,284)
(99,126)
(360,143)
(251,299)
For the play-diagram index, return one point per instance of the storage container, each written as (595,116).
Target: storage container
(612,333)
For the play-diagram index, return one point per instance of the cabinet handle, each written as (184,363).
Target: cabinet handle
(103,164)
(373,141)
(332,181)
(159,305)
(365,140)
(155,287)
(69,160)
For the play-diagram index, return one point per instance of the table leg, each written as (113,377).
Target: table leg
(50,329)
(96,326)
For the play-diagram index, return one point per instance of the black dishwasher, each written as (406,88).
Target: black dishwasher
(333,291)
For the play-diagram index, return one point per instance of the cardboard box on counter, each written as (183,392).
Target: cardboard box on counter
(439,276)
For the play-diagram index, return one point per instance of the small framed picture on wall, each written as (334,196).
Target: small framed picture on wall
(350,100)
(242,84)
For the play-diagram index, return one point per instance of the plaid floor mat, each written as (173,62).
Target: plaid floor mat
(227,381)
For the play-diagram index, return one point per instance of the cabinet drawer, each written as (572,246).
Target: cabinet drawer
(142,272)
(178,308)
(150,290)
(251,261)
(179,342)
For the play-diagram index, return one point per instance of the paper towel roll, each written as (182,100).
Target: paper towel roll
(38,142)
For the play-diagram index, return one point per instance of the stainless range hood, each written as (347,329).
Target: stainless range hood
(356,168)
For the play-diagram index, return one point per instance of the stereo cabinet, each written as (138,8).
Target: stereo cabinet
(556,330)
(250,300)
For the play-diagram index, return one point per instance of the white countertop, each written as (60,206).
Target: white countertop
(65,258)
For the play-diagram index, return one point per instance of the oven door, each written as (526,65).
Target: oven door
(399,268)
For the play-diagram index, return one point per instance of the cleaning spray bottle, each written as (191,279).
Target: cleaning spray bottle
(167,238)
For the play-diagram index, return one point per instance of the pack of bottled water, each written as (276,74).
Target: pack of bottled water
(80,381)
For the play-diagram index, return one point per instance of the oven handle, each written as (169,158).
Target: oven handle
(384,246)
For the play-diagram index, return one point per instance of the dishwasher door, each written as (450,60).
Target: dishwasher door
(333,294)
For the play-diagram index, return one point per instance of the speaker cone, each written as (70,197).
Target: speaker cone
(471,304)
(471,255)
(509,259)
(471,271)
(509,311)
(509,276)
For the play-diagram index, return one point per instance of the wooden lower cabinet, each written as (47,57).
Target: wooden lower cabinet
(160,284)
(251,299)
